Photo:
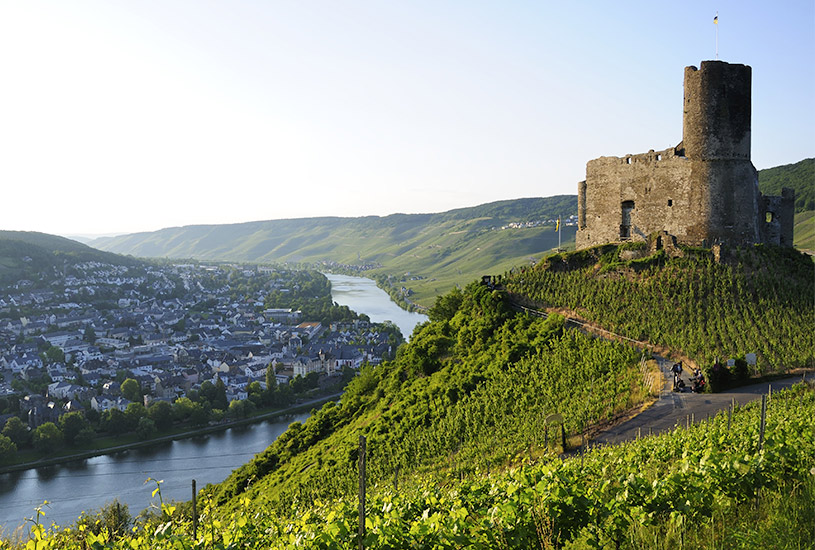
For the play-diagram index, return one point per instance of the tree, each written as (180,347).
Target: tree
(71,424)
(161,413)
(182,409)
(133,415)
(237,409)
(220,401)
(54,355)
(7,448)
(199,415)
(47,438)
(89,335)
(146,428)
(17,431)
(114,422)
(271,379)
(131,390)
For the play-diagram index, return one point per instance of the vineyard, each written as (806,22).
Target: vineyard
(758,301)
(465,426)
(717,484)
(470,392)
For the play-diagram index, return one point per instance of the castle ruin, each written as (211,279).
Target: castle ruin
(702,192)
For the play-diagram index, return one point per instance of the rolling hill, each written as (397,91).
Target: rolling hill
(437,250)
(426,253)
(27,254)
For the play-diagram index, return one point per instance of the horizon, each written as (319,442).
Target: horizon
(125,118)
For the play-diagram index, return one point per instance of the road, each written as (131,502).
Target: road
(672,408)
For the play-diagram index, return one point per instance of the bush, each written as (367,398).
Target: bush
(740,371)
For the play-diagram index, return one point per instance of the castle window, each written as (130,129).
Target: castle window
(628,160)
(659,157)
(768,217)
(670,202)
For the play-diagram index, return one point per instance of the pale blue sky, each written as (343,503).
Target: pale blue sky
(123,116)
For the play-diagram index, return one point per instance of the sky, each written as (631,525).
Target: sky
(121,116)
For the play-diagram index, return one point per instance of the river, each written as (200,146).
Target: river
(85,485)
(88,484)
(363,296)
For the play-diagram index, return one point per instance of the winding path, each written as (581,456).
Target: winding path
(671,408)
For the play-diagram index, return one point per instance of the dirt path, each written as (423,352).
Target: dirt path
(672,408)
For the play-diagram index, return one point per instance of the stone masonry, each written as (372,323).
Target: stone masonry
(704,191)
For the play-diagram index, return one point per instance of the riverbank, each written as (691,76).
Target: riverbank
(221,426)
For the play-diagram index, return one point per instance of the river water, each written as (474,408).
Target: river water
(363,296)
(87,485)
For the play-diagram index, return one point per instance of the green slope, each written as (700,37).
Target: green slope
(443,249)
(799,176)
(29,254)
(804,231)
(469,392)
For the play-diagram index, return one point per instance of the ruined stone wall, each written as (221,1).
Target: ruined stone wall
(776,218)
(704,191)
(658,185)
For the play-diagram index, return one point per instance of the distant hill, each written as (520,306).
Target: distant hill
(439,250)
(25,254)
(799,176)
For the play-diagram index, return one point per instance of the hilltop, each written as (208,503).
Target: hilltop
(29,254)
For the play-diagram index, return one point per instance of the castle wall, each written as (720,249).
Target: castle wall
(658,184)
(704,191)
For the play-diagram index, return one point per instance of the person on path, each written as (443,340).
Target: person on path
(677,370)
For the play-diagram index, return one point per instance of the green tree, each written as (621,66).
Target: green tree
(114,422)
(182,409)
(237,409)
(47,438)
(161,413)
(7,448)
(131,390)
(53,355)
(146,428)
(71,425)
(199,415)
(17,431)
(220,401)
(133,415)
(90,334)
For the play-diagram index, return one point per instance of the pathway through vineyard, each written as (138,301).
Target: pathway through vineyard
(671,408)
(674,408)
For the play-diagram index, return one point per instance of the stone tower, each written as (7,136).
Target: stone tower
(703,191)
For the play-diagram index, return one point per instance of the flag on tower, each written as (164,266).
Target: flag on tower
(716,20)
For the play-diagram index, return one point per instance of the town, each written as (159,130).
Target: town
(75,340)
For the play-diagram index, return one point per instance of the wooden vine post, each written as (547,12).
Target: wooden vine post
(361,492)
(194,513)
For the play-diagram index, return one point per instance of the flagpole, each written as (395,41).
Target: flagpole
(716,22)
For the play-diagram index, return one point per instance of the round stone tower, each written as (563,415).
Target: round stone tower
(716,140)
(716,121)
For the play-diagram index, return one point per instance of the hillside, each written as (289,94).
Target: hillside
(458,449)
(756,300)
(438,250)
(799,176)
(32,255)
